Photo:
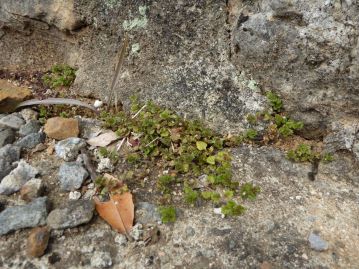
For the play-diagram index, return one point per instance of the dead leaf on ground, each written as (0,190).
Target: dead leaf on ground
(118,211)
(103,140)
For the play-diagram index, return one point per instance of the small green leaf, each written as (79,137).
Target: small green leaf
(201,145)
(211,160)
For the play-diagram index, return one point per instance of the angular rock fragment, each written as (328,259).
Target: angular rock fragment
(7,136)
(69,148)
(72,214)
(31,189)
(71,176)
(12,121)
(8,155)
(32,126)
(17,178)
(11,96)
(24,216)
(61,128)
(31,140)
(37,242)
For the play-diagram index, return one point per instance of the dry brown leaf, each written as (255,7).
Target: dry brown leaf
(103,140)
(118,211)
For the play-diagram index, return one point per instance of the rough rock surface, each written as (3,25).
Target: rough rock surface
(71,214)
(71,175)
(31,140)
(7,136)
(24,216)
(274,231)
(11,95)
(69,148)
(12,121)
(185,53)
(8,155)
(31,189)
(17,178)
(61,128)
(31,126)
(37,241)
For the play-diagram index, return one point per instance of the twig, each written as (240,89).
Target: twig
(117,70)
(120,144)
(152,141)
(138,112)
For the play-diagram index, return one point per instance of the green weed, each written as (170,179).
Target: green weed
(60,75)
(168,214)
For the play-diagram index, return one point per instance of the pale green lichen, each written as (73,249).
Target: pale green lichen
(137,22)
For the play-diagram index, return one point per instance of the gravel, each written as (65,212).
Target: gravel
(71,176)
(24,216)
(69,148)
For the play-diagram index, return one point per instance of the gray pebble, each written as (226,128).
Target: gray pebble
(8,155)
(7,136)
(72,214)
(33,126)
(24,216)
(317,243)
(17,178)
(69,148)
(71,176)
(12,121)
(32,140)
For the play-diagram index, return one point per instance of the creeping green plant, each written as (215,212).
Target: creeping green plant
(232,209)
(168,214)
(249,191)
(275,101)
(60,75)
(303,153)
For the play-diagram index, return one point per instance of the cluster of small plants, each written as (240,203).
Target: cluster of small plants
(277,124)
(60,75)
(304,153)
(186,150)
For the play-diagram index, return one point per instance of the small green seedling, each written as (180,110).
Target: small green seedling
(168,214)
(275,101)
(164,182)
(111,154)
(251,119)
(232,209)
(190,196)
(251,134)
(249,191)
(303,153)
(60,75)
(327,157)
(215,197)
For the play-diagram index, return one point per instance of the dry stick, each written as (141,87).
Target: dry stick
(120,144)
(117,70)
(138,112)
(152,141)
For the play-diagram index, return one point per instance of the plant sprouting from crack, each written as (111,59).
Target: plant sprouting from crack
(60,75)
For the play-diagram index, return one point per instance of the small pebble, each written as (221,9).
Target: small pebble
(37,241)
(74,195)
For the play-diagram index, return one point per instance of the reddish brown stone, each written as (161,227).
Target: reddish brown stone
(37,241)
(61,128)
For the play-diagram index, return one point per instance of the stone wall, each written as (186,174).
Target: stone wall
(212,59)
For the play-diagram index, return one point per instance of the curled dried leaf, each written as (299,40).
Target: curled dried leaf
(118,212)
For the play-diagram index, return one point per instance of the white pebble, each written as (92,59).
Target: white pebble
(98,103)
(74,195)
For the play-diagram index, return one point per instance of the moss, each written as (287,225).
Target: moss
(249,191)
(111,154)
(232,209)
(303,153)
(190,196)
(168,214)
(275,101)
(60,75)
